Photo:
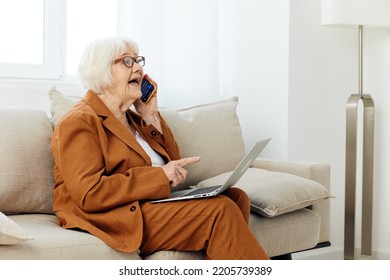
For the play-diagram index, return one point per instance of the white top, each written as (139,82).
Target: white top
(157,160)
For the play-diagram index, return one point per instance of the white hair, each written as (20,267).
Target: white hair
(95,65)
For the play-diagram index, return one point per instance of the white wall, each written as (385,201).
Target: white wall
(323,73)
(321,77)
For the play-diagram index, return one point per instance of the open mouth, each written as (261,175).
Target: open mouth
(135,81)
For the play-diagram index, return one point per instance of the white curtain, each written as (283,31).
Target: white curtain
(203,51)
(180,40)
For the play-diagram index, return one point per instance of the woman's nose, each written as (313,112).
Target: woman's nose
(136,67)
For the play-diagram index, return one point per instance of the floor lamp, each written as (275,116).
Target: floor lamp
(358,13)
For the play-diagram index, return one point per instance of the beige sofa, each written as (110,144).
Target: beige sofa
(290,205)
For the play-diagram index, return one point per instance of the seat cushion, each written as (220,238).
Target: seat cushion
(176,255)
(291,232)
(52,242)
(288,233)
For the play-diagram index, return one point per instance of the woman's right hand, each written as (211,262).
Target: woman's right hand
(175,172)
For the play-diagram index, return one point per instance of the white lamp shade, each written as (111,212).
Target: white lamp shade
(351,13)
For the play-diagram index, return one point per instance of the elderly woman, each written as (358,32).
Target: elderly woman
(110,160)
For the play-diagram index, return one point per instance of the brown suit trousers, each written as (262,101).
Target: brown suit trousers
(219,225)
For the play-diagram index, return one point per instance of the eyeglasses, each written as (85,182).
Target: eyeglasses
(128,61)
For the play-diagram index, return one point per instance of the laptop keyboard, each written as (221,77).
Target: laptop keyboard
(202,190)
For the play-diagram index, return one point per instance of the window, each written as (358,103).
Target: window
(44,39)
(28,26)
(31,39)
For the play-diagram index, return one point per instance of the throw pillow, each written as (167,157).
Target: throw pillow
(26,166)
(275,193)
(60,104)
(211,131)
(11,232)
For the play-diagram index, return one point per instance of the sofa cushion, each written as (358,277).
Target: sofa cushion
(60,104)
(211,131)
(291,232)
(52,242)
(26,168)
(176,255)
(274,193)
(11,232)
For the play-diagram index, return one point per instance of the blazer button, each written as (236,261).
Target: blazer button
(154,133)
(132,209)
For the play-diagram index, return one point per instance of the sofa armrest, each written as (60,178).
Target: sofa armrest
(318,172)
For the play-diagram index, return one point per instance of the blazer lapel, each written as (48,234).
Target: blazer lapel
(136,121)
(114,125)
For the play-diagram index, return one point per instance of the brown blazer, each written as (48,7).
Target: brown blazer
(102,173)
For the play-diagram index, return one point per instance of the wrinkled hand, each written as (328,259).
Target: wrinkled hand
(175,172)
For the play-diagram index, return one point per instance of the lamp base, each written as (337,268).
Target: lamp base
(367,174)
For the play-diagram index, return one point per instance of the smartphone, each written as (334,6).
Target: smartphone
(147,89)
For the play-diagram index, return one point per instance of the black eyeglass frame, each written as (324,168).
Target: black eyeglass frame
(140,60)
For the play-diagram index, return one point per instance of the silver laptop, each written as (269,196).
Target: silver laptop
(231,181)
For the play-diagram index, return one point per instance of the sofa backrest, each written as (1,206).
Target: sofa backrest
(211,131)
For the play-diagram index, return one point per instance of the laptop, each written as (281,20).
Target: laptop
(216,190)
